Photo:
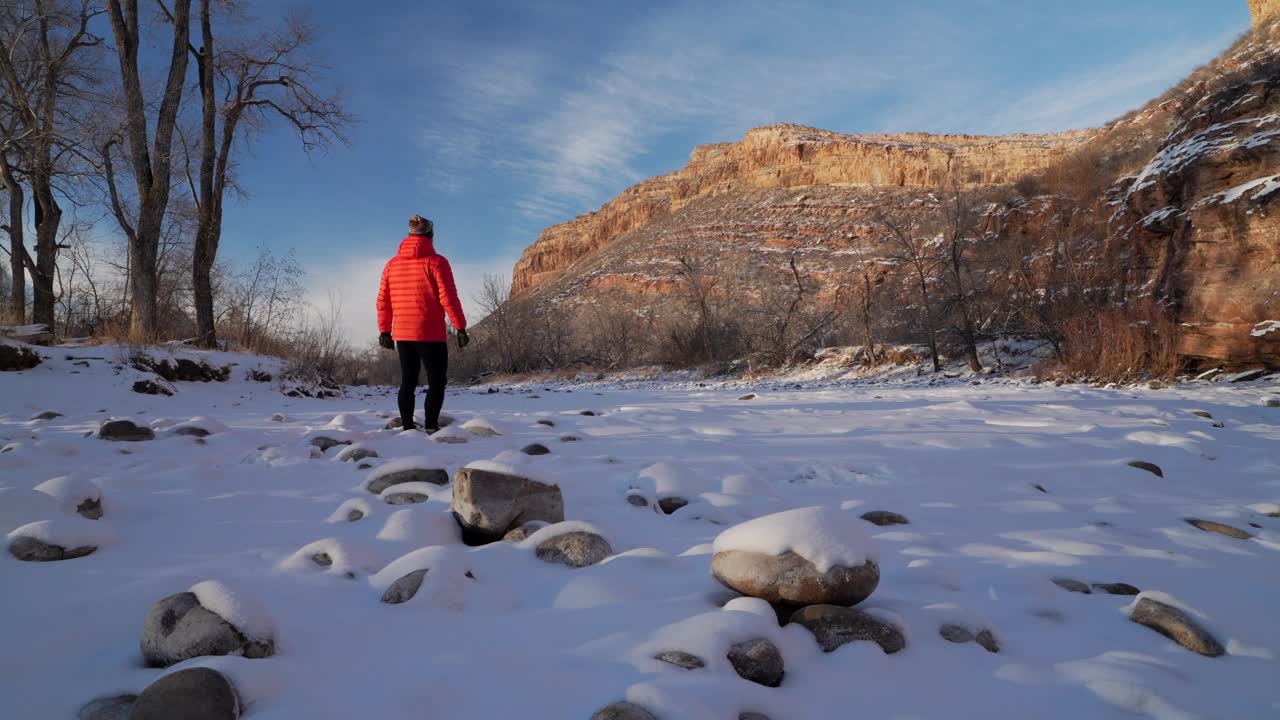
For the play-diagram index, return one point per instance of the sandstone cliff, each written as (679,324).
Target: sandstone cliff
(1263,10)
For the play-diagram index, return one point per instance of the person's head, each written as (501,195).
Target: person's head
(419,225)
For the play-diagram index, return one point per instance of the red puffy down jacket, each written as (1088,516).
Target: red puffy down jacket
(416,291)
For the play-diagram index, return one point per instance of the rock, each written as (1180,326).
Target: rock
(322,559)
(884,517)
(834,626)
(124,431)
(752,716)
(1040,487)
(354,515)
(1074,586)
(524,531)
(179,628)
(680,659)
(15,357)
(116,707)
(481,428)
(548,423)
(637,499)
(569,438)
(576,549)
(355,453)
(1270,401)
(90,508)
(1116,588)
(405,498)
(394,423)
(669,505)
(757,660)
(279,417)
(29,549)
(324,442)
(1202,413)
(955,633)
(1149,467)
(487,504)
(792,581)
(535,449)
(988,641)
(1175,625)
(1217,527)
(405,588)
(588,413)
(382,480)
(622,711)
(191,694)
(748,396)
(151,387)
(192,431)
(1247,375)
(46,415)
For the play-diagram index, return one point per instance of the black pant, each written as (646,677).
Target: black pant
(414,355)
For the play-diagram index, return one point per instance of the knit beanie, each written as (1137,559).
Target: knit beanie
(419,225)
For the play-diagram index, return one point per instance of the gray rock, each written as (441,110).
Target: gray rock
(124,431)
(394,423)
(1149,467)
(524,531)
(955,633)
(356,454)
(575,549)
(752,716)
(15,357)
(548,423)
(669,505)
(758,661)
(637,499)
(322,559)
(884,517)
(1203,414)
(1116,588)
(1271,401)
(680,659)
(1217,527)
(792,581)
(354,514)
(192,431)
(151,387)
(535,449)
(622,711)
(116,707)
(435,476)
(748,396)
(1074,586)
(324,442)
(834,626)
(90,508)
(405,498)
(1175,625)
(588,413)
(404,588)
(192,694)
(488,504)
(179,628)
(569,438)
(1247,375)
(278,417)
(988,641)
(46,415)
(29,549)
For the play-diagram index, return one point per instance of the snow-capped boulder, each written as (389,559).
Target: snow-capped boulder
(403,471)
(115,707)
(417,528)
(489,500)
(208,619)
(409,493)
(757,660)
(121,430)
(350,511)
(480,427)
(808,556)
(335,557)
(1270,400)
(74,495)
(672,484)
(193,694)
(355,453)
(61,538)
(324,442)
(833,626)
(452,435)
(622,711)
(576,544)
(438,576)
(15,356)
(198,427)
(1175,624)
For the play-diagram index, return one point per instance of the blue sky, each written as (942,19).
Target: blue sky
(498,117)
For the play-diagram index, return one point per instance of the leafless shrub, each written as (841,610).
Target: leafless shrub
(1121,344)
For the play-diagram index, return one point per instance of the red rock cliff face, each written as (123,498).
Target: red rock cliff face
(786,156)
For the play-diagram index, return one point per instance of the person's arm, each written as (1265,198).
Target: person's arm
(384,303)
(448,293)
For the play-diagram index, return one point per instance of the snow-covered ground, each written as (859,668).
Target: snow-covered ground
(1007,486)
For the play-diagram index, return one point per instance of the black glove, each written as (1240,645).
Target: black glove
(463,339)
(386,342)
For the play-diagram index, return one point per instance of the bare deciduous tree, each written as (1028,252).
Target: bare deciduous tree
(916,253)
(959,225)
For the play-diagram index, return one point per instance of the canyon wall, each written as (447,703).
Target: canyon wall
(1263,10)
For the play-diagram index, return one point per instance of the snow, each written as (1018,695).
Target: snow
(237,607)
(241,517)
(70,531)
(1265,328)
(824,536)
(69,491)
(544,534)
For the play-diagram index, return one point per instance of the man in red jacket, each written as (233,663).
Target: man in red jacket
(416,292)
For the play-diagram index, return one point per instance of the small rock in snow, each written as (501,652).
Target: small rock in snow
(1246,376)
(535,449)
(1271,400)
(680,659)
(671,504)
(1074,586)
(569,438)
(29,549)
(622,711)
(355,453)
(1217,527)
(279,417)
(191,694)
(74,495)
(588,413)
(524,531)
(955,633)
(151,387)
(635,498)
(576,549)
(1149,467)
(323,559)
(324,442)
(1202,413)
(354,514)
(179,628)
(124,431)
(404,588)
(548,423)
(389,475)
(405,498)
(987,640)
(1176,625)
(116,707)
(834,626)
(757,660)
(748,396)
(46,415)
(884,517)
(487,504)
(1116,588)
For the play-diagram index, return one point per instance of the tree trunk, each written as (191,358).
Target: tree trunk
(48,219)
(17,247)
(209,224)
